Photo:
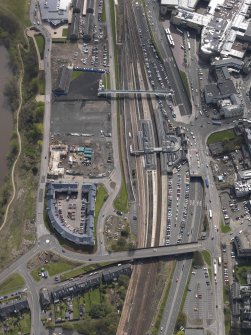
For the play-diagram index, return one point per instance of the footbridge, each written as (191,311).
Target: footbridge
(104,92)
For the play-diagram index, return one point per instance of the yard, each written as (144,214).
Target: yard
(54,265)
(40,44)
(241,273)
(16,325)
(221,136)
(13,283)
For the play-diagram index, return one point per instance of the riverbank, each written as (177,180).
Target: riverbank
(18,233)
(6,117)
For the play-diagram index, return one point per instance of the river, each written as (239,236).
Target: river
(6,120)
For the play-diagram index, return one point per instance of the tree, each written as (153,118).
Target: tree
(123,280)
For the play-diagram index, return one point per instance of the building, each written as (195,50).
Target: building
(57,152)
(225,28)
(82,285)
(63,81)
(13,307)
(243,244)
(76,6)
(88,31)
(244,175)
(84,234)
(241,305)
(90,6)
(44,298)
(56,13)
(113,273)
(242,188)
(218,91)
(231,107)
(247,138)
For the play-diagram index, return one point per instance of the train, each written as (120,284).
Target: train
(216,122)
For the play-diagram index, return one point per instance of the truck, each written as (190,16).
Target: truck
(210,214)
(219,261)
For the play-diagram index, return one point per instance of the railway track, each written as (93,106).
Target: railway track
(138,308)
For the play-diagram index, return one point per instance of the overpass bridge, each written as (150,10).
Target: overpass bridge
(171,250)
(104,92)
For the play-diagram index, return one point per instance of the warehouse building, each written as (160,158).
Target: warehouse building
(88,30)
(74,27)
(84,233)
(56,13)
(63,81)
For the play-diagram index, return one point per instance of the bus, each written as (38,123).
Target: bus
(207,182)
(216,122)
(210,214)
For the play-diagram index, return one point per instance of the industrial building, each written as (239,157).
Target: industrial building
(76,6)
(74,27)
(83,234)
(63,81)
(90,6)
(88,30)
(13,307)
(54,12)
(243,184)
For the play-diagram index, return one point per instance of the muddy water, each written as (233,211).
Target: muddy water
(6,121)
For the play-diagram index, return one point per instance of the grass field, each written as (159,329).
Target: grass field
(121,202)
(65,32)
(221,136)
(225,228)
(241,273)
(207,257)
(103,16)
(83,269)
(76,74)
(101,198)
(92,298)
(53,269)
(18,8)
(14,283)
(40,44)
(183,76)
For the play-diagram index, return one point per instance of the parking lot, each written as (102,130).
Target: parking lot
(199,304)
(234,211)
(87,125)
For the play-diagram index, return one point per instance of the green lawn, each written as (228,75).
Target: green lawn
(241,273)
(207,257)
(65,32)
(40,44)
(14,283)
(183,76)
(227,316)
(121,202)
(92,298)
(103,16)
(18,8)
(83,269)
(225,228)
(53,269)
(76,74)
(107,81)
(112,10)
(221,136)
(101,198)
